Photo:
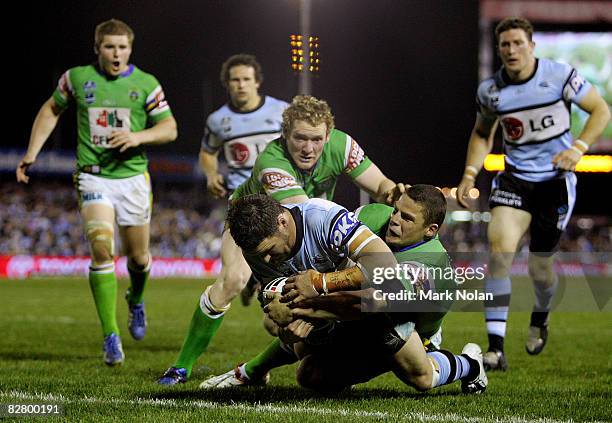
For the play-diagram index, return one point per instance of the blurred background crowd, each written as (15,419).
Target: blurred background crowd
(42,219)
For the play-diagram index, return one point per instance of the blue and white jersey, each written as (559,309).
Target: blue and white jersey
(534,116)
(326,236)
(243,135)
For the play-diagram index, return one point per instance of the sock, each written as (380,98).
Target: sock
(496,311)
(544,295)
(273,356)
(451,367)
(103,284)
(204,324)
(138,280)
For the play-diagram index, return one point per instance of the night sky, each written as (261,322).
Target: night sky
(400,75)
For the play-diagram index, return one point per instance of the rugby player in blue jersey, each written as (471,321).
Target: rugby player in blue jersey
(531,99)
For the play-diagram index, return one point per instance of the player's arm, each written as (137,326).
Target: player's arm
(378,186)
(209,163)
(46,120)
(479,145)
(281,184)
(599,116)
(162,132)
(365,248)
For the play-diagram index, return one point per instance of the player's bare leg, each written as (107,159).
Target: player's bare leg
(135,242)
(506,229)
(213,304)
(98,223)
(545,285)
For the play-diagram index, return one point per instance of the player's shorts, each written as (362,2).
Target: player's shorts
(374,335)
(130,197)
(550,204)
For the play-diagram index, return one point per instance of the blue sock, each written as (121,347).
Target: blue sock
(496,311)
(451,367)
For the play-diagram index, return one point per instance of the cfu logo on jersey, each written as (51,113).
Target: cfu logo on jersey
(240,152)
(343,229)
(513,128)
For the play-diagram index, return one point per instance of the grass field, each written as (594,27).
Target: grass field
(50,352)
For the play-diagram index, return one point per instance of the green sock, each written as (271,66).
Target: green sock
(103,283)
(138,280)
(201,330)
(270,358)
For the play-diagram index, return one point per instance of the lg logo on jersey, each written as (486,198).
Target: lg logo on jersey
(546,122)
(514,129)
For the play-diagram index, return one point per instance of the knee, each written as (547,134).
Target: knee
(308,375)
(421,382)
(100,236)
(540,270)
(140,261)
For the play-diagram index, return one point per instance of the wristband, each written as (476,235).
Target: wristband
(471,170)
(469,177)
(324,285)
(581,145)
(317,283)
(576,149)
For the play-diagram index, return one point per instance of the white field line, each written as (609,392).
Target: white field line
(273,409)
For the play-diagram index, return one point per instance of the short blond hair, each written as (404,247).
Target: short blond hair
(113,27)
(308,109)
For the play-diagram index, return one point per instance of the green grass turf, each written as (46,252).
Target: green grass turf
(50,351)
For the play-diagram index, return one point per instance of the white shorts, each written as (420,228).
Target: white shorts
(131,197)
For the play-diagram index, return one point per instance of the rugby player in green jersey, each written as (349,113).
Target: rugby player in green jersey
(371,343)
(115,101)
(304,163)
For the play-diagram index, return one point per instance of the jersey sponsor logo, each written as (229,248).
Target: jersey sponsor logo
(513,128)
(133,94)
(91,196)
(343,228)
(107,119)
(275,180)
(546,122)
(240,153)
(576,82)
(103,122)
(356,156)
(89,86)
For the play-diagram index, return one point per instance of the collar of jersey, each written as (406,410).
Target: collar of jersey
(259,106)
(507,81)
(299,229)
(416,244)
(125,74)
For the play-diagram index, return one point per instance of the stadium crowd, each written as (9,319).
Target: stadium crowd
(44,220)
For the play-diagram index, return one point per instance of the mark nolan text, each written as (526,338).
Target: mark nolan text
(458,295)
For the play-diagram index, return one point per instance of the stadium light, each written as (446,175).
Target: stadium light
(589,163)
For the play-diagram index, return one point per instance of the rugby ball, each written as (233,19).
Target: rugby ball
(272,289)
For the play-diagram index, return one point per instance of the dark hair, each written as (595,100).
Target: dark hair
(237,60)
(432,200)
(113,27)
(514,23)
(253,218)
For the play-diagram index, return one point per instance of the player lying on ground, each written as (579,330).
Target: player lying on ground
(531,98)
(376,342)
(305,162)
